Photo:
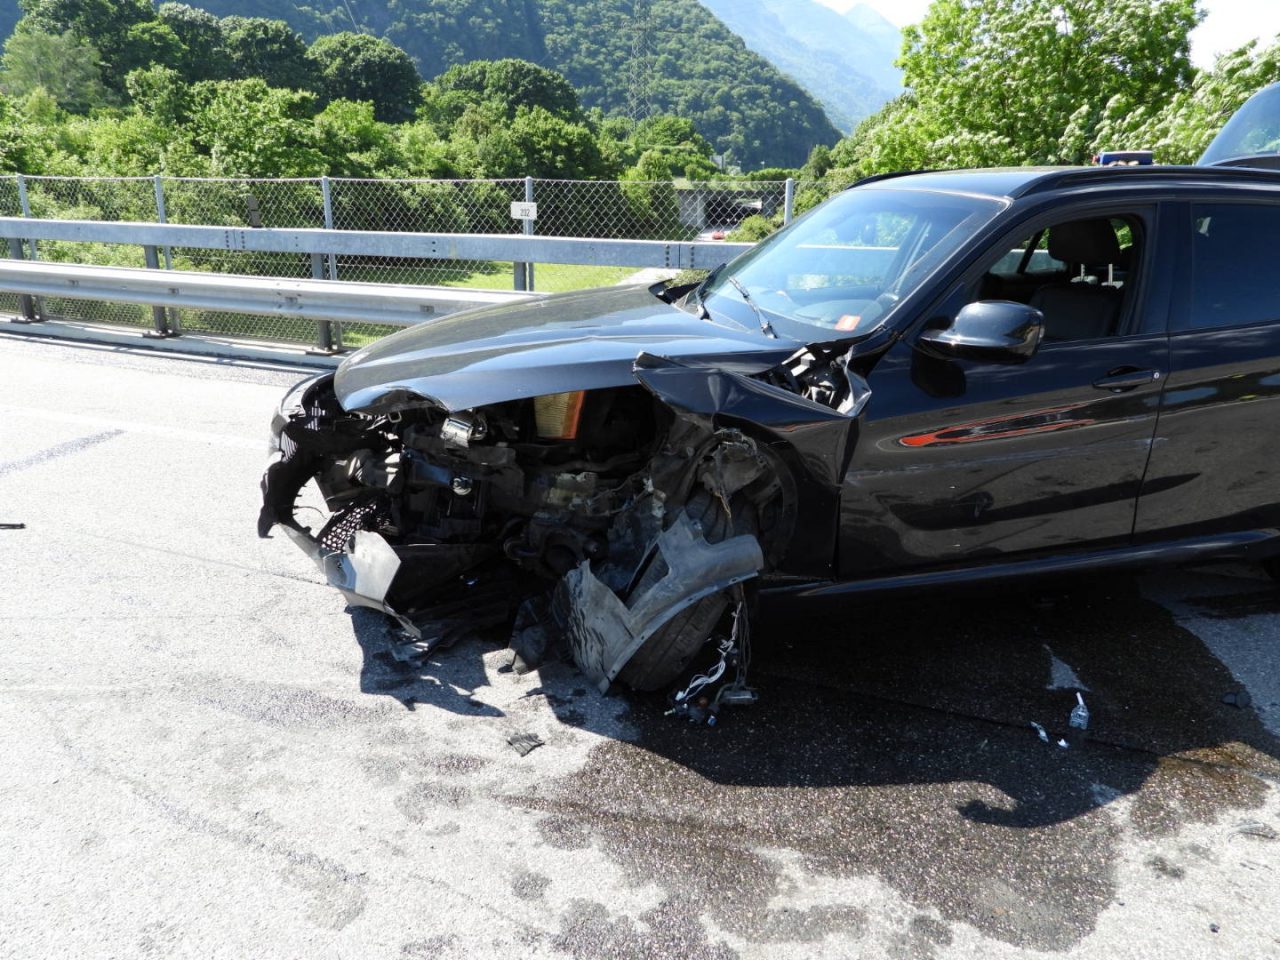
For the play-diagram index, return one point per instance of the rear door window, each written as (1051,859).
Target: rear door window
(1234,281)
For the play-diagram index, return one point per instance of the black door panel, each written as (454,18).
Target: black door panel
(1215,466)
(1020,458)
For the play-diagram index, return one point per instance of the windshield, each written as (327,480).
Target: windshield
(1254,130)
(844,265)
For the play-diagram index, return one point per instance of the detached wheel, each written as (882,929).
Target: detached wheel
(666,654)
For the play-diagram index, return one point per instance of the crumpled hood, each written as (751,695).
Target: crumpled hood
(574,341)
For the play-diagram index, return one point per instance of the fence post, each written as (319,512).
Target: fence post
(328,335)
(38,311)
(159,318)
(528,232)
(25,304)
(163,217)
(519,269)
(789,201)
(326,192)
(324,328)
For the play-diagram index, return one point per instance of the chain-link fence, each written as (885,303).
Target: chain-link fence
(10,206)
(624,209)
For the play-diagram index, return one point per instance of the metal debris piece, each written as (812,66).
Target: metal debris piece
(1079,714)
(525,743)
(1044,734)
(1238,698)
(1063,744)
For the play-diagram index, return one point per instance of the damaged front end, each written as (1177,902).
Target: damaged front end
(616,522)
(557,517)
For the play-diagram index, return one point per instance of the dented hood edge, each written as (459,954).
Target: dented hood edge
(581,341)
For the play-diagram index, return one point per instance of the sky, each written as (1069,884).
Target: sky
(1228,24)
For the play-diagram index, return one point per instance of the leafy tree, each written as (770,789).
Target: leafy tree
(204,54)
(148,43)
(1180,129)
(159,93)
(1022,81)
(818,164)
(508,84)
(62,64)
(650,202)
(550,146)
(17,153)
(671,147)
(426,153)
(104,23)
(268,50)
(356,66)
(133,145)
(244,128)
(355,143)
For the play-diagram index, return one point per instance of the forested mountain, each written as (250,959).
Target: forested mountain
(844,61)
(624,56)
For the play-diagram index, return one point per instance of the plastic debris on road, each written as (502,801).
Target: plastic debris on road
(1079,714)
(525,743)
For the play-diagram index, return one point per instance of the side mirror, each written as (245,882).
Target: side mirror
(991,331)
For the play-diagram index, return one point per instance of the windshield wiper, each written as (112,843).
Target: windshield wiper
(700,290)
(765,326)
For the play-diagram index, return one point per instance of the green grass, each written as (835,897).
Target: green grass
(490,275)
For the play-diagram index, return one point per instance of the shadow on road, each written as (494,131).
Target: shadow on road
(441,681)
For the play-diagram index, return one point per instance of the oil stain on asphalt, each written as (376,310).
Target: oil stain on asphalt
(894,742)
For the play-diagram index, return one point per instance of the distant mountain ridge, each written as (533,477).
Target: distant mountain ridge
(846,61)
(620,55)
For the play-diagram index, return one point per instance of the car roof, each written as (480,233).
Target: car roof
(1010,183)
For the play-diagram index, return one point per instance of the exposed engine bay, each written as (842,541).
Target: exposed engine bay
(615,524)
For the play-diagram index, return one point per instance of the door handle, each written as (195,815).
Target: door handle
(1126,378)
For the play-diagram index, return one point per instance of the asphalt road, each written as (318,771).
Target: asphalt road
(203,753)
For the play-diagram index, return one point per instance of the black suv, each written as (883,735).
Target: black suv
(930,378)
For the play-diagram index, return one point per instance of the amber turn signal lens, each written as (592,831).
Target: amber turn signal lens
(556,414)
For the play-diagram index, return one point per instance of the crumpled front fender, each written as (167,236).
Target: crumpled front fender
(814,441)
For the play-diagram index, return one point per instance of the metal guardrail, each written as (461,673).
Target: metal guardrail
(341,301)
(322,300)
(675,254)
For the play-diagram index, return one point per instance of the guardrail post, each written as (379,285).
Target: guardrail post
(528,232)
(324,329)
(159,318)
(25,304)
(789,201)
(38,311)
(162,217)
